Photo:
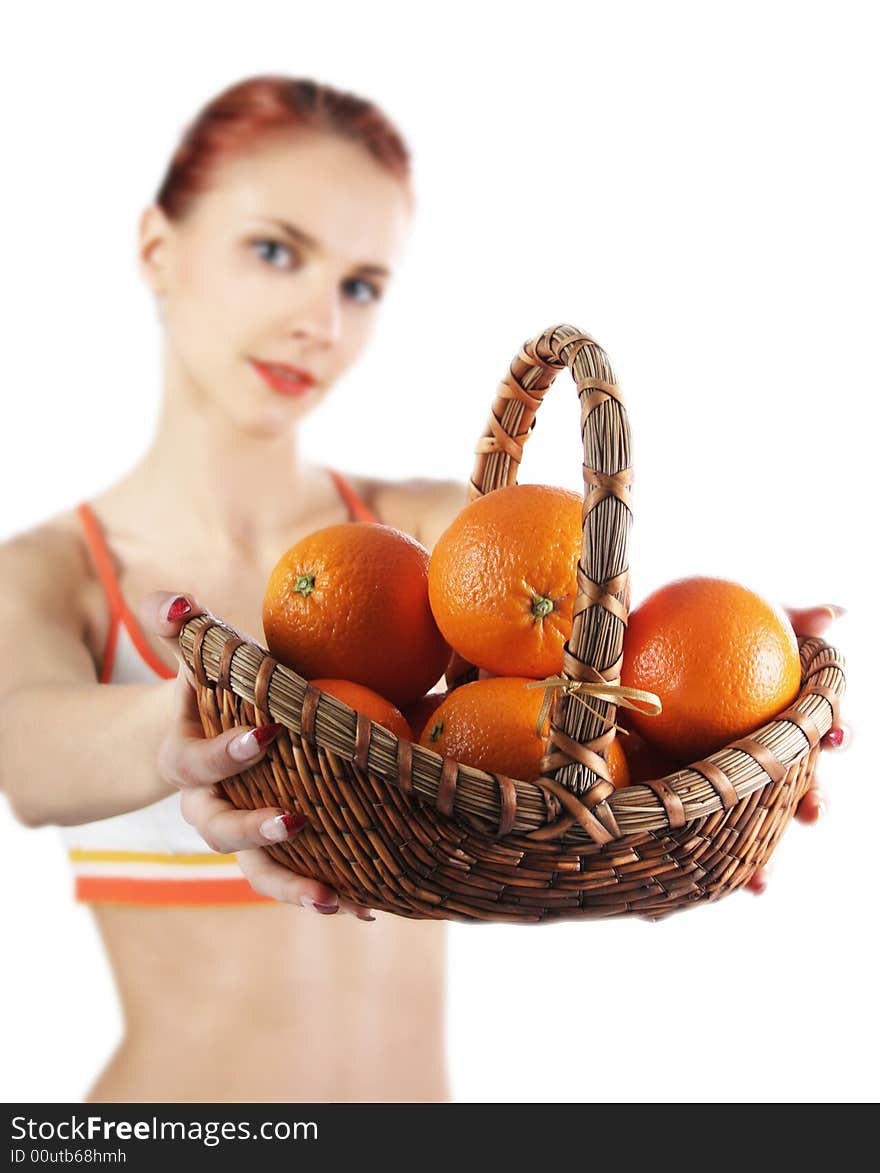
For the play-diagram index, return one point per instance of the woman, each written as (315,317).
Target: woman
(278,225)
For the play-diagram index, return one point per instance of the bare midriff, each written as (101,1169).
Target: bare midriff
(274,1003)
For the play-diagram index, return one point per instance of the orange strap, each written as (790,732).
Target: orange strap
(103,564)
(102,561)
(119,610)
(358,509)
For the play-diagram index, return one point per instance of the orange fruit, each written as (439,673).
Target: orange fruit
(350,601)
(417,714)
(644,760)
(503,579)
(618,764)
(490,724)
(365,700)
(722,659)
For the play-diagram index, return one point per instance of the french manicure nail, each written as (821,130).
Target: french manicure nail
(282,827)
(836,610)
(179,607)
(252,743)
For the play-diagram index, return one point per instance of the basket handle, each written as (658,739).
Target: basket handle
(578,739)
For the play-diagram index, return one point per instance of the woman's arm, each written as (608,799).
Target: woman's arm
(73,753)
(71,749)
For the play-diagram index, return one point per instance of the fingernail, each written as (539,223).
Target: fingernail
(836,610)
(326,909)
(252,743)
(365,917)
(835,738)
(179,607)
(283,827)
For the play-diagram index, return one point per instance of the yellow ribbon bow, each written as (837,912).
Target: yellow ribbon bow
(616,694)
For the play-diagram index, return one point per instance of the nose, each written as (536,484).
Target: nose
(318,316)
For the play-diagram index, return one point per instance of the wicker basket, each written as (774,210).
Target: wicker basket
(395,826)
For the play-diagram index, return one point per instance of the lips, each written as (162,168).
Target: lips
(283,378)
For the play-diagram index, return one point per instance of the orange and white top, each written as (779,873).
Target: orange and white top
(152,855)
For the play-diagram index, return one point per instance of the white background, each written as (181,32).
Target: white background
(693,185)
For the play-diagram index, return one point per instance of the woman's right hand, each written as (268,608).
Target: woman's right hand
(195,763)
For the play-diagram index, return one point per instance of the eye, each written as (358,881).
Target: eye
(270,250)
(373,292)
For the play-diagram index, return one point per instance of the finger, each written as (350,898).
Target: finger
(185,708)
(759,880)
(272,879)
(227,829)
(164,613)
(812,806)
(839,736)
(814,620)
(187,758)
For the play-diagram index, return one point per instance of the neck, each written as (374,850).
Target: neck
(240,489)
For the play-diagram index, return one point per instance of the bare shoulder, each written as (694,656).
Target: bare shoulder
(420,506)
(43,620)
(44,570)
(46,555)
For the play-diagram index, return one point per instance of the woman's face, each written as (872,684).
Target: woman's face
(235,286)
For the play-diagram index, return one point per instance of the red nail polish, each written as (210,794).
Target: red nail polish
(834,737)
(294,823)
(180,607)
(264,734)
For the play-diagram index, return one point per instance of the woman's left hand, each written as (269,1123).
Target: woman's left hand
(810,621)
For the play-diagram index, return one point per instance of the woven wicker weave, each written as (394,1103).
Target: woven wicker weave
(394,826)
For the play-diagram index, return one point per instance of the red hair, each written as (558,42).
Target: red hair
(235,119)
